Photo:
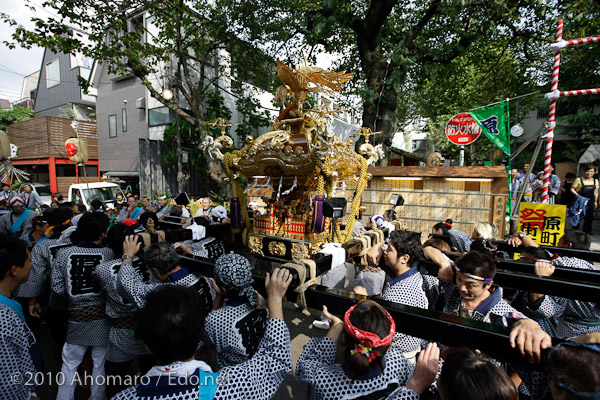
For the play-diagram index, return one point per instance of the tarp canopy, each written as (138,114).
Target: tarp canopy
(591,154)
(344,130)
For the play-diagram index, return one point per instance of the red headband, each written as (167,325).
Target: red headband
(447,225)
(552,258)
(367,338)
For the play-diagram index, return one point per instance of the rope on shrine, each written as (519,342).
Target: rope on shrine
(400,225)
(365,241)
(237,191)
(303,284)
(147,238)
(374,237)
(300,265)
(380,235)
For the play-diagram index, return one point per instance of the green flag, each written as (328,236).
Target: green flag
(492,121)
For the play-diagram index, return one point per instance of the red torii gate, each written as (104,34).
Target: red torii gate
(555,94)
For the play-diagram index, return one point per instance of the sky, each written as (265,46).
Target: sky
(17,63)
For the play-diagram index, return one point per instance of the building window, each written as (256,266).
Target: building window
(112,125)
(160,116)
(110,36)
(418,144)
(79,60)
(124,119)
(52,73)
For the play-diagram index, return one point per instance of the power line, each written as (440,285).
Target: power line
(6,88)
(42,8)
(10,70)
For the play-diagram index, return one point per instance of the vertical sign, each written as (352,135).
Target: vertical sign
(544,223)
(499,212)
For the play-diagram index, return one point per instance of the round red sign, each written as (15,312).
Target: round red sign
(462,129)
(71,149)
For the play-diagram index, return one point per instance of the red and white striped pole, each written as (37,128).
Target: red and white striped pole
(588,40)
(582,92)
(552,116)
(560,44)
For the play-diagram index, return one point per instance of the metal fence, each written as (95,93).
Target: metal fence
(158,177)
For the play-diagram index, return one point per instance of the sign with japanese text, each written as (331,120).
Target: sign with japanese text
(544,223)
(462,129)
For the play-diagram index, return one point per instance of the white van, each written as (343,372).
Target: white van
(42,189)
(84,193)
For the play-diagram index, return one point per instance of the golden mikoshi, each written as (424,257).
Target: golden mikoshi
(301,148)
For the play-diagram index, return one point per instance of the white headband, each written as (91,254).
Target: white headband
(477,278)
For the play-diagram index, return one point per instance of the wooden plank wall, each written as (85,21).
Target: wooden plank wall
(31,137)
(64,182)
(433,200)
(158,177)
(45,137)
(59,130)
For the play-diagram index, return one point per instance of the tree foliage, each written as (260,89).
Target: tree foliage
(174,43)
(16,114)
(482,75)
(389,43)
(578,116)
(432,58)
(397,48)
(190,137)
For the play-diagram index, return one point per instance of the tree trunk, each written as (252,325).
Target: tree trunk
(473,153)
(382,119)
(180,179)
(379,113)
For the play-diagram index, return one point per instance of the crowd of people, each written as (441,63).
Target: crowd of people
(110,301)
(579,194)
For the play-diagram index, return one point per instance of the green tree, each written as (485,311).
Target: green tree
(482,75)
(16,114)
(253,117)
(578,116)
(190,137)
(388,42)
(176,44)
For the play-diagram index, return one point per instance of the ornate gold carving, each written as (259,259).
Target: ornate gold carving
(300,144)
(343,159)
(316,246)
(274,150)
(213,146)
(374,153)
(299,251)
(295,82)
(277,249)
(255,244)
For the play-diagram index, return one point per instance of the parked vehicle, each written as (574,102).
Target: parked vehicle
(42,189)
(84,193)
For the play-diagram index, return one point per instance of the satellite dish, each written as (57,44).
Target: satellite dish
(516,130)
